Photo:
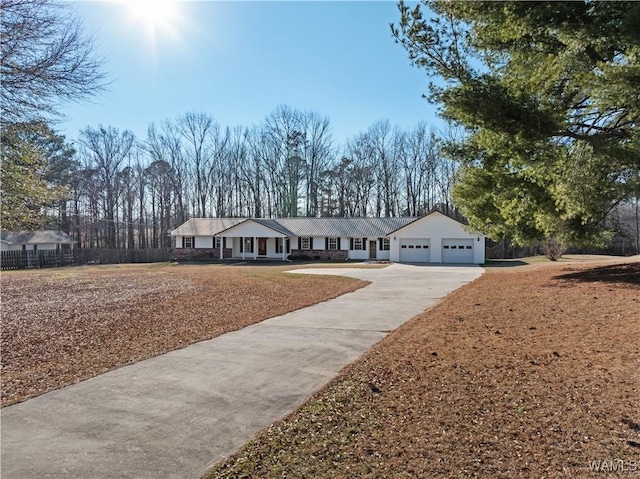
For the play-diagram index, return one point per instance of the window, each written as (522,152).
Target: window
(305,243)
(446,247)
(216,242)
(188,242)
(469,247)
(385,244)
(279,243)
(333,243)
(404,246)
(357,244)
(248,245)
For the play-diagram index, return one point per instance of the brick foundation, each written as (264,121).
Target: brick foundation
(201,253)
(318,254)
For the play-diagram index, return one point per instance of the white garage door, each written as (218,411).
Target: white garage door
(415,250)
(457,251)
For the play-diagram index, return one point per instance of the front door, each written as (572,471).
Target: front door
(262,246)
(372,250)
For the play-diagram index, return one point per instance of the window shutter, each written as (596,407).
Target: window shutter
(351,244)
(193,241)
(183,241)
(364,244)
(338,242)
(224,242)
(326,243)
(288,245)
(242,244)
(299,243)
(380,244)
(251,246)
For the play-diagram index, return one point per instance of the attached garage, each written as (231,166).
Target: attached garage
(436,238)
(415,250)
(457,250)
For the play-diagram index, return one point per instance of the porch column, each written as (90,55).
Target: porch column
(284,248)
(221,247)
(243,247)
(255,248)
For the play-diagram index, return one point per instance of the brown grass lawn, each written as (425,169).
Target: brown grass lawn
(60,326)
(528,372)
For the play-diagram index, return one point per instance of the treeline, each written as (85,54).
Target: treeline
(126,192)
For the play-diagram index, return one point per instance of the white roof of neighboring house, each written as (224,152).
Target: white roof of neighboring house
(37,237)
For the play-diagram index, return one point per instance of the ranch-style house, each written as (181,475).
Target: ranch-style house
(432,238)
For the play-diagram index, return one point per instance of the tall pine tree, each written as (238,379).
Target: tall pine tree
(549,94)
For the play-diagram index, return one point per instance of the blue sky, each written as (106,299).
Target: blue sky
(239,60)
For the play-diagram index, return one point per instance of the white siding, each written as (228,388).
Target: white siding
(250,229)
(358,254)
(235,245)
(204,242)
(436,226)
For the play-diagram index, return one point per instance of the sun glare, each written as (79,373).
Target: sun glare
(156,16)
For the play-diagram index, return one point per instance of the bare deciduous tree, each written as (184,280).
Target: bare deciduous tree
(106,149)
(44,59)
(196,130)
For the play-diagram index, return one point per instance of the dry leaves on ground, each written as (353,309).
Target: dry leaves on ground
(60,326)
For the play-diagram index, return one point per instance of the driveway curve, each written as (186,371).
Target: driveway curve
(175,415)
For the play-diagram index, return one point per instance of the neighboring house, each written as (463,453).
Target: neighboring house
(433,238)
(35,240)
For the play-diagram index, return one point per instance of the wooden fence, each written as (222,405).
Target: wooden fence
(10,260)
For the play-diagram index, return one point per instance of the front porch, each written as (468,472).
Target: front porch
(258,247)
(254,239)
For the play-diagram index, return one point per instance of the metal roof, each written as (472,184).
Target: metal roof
(344,227)
(274,225)
(268,223)
(37,237)
(349,227)
(206,226)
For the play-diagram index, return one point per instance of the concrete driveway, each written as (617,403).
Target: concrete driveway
(175,415)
